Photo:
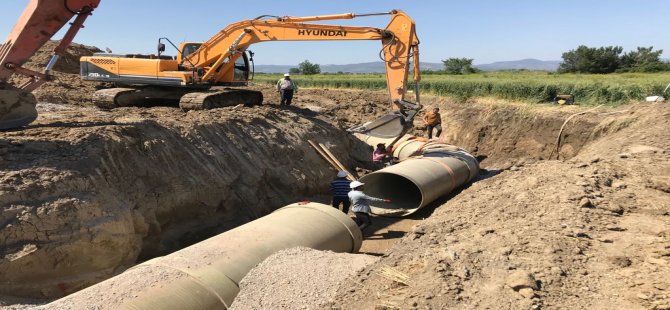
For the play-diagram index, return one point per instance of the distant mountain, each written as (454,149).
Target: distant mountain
(366,67)
(378,66)
(528,64)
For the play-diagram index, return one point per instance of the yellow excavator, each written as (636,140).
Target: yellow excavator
(202,75)
(212,74)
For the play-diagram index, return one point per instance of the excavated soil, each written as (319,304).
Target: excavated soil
(86,193)
(264,286)
(68,88)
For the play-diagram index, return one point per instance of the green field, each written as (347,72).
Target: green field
(531,87)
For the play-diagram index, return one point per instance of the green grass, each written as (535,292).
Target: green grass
(531,87)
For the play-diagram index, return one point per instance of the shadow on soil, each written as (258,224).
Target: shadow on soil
(61,124)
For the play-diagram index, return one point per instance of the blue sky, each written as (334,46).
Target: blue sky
(486,30)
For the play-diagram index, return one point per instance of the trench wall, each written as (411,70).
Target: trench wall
(84,201)
(502,134)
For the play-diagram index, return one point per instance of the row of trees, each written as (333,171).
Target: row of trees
(581,60)
(588,60)
(612,59)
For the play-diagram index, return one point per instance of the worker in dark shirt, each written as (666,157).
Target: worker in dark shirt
(340,189)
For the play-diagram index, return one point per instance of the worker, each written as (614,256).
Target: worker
(340,189)
(286,88)
(381,156)
(360,204)
(433,120)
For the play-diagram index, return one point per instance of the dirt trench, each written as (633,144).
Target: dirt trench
(90,193)
(87,193)
(589,230)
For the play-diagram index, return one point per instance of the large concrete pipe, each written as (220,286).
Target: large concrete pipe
(427,171)
(408,146)
(206,275)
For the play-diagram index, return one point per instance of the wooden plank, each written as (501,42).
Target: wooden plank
(323,155)
(339,164)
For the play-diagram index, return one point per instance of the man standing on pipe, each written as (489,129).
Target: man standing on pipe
(361,206)
(340,189)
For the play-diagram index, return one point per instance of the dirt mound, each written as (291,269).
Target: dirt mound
(67,63)
(312,285)
(87,193)
(592,232)
(67,87)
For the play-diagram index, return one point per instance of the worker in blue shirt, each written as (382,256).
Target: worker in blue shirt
(340,189)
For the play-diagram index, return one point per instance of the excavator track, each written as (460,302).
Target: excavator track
(17,107)
(188,99)
(116,97)
(220,98)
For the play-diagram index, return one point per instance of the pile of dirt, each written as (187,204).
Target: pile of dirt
(67,63)
(68,87)
(86,193)
(313,285)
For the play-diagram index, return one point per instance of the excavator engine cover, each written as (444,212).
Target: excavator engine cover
(387,126)
(17,107)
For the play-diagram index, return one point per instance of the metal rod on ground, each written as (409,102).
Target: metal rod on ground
(325,149)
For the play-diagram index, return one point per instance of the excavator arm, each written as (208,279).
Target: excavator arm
(39,22)
(400,48)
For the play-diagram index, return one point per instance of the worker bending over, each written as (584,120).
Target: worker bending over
(361,204)
(381,156)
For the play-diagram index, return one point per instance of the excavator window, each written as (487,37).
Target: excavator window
(242,68)
(189,49)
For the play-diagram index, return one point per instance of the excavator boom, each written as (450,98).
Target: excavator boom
(39,22)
